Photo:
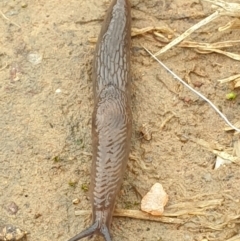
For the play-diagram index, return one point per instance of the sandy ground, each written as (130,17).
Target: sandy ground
(45,125)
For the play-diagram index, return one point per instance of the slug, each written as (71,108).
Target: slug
(112,117)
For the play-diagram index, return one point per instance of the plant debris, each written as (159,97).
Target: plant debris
(11,233)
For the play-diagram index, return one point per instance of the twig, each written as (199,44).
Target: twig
(12,22)
(145,216)
(196,92)
(137,215)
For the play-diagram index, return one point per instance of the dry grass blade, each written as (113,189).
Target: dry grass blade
(226,156)
(137,215)
(188,32)
(218,224)
(145,216)
(229,79)
(234,24)
(208,145)
(217,45)
(218,150)
(230,9)
(228,54)
(9,20)
(191,208)
(206,48)
(82,212)
(195,211)
(236,149)
(237,83)
(234,78)
(162,37)
(179,209)
(139,31)
(166,121)
(198,204)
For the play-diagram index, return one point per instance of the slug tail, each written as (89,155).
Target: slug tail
(105,233)
(94,228)
(85,233)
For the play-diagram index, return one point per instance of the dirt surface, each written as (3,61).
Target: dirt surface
(45,125)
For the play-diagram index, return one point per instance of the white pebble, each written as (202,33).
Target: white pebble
(76,201)
(58,91)
(34,58)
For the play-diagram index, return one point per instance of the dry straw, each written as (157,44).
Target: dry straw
(196,92)
(226,9)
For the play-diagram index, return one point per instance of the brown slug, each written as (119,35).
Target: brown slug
(112,118)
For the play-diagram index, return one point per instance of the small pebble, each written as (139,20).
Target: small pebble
(76,201)
(37,215)
(34,58)
(58,91)
(197,84)
(15,73)
(12,208)
(155,200)
(207,177)
(183,139)
(24,4)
